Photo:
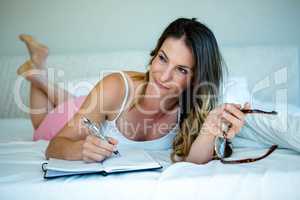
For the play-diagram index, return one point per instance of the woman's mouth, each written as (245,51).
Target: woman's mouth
(160,85)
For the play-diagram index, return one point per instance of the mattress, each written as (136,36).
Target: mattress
(21,176)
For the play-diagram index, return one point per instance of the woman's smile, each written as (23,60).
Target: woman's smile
(160,85)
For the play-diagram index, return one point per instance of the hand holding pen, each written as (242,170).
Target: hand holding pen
(97,146)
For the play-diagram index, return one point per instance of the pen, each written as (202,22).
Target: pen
(95,131)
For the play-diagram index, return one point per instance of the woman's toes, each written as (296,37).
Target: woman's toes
(28,65)
(38,52)
(25,38)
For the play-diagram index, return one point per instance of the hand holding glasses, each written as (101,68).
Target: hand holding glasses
(223,148)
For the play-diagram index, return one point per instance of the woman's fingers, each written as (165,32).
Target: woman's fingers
(234,109)
(112,141)
(218,130)
(92,157)
(233,115)
(213,123)
(235,122)
(100,150)
(88,160)
(238,106)
(247,106)
(229,114)
(101,143)
(95,149)
(231,133)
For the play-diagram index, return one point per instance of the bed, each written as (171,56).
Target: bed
(276,177)
(21,176)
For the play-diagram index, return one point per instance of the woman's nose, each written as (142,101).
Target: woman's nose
(166,74)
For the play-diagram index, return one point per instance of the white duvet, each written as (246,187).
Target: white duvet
(21,177)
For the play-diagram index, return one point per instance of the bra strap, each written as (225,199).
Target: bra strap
(178,115)
(126,94)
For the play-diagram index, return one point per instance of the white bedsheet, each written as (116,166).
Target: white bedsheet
(21,177)
(276,177)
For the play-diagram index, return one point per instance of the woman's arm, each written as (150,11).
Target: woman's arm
(202,149)
(65,148)
(73,142)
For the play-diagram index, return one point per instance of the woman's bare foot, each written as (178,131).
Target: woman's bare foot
(35,67)
(38,52)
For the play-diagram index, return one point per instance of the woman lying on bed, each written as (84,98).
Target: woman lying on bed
(173,104)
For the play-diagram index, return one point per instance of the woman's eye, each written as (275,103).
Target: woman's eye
(161,58)
(182,70)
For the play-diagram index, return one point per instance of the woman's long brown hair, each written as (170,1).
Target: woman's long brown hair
(202,95)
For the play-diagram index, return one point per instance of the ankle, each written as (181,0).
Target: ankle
(37,76)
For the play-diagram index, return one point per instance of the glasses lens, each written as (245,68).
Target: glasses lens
(220,147)
(223,147)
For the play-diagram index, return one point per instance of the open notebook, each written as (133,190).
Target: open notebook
(129,160)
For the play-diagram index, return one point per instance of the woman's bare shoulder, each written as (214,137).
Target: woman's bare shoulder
(115,80)
(135,77)
(112,87)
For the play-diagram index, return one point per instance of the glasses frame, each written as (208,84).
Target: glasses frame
(229,148)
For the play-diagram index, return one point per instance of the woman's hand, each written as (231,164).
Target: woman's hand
(94,149)
(202,149)
(229,115)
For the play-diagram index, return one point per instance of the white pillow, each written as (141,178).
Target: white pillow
(263,130)
(282,129)
(235,90)
(81,87)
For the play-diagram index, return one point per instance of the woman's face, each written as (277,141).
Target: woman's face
(171,70)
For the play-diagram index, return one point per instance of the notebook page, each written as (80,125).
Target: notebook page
(73,166)
(130,159)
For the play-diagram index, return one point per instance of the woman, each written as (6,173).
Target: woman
(173,103)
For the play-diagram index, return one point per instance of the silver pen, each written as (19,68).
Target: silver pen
(95,130)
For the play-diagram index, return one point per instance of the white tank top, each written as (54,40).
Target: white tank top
(110,129)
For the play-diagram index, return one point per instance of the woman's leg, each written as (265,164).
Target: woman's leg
(44,96)
(38,102)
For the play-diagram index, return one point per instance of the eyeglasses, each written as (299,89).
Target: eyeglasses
(223,147)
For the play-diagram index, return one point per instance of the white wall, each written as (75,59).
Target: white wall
(96,25)
(78,26)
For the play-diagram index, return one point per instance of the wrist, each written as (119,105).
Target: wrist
(70,149)
(206,133)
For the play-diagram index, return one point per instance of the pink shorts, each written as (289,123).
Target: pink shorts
(57,118)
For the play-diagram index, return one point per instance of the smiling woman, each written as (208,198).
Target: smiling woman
(174,62)
(174,102)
